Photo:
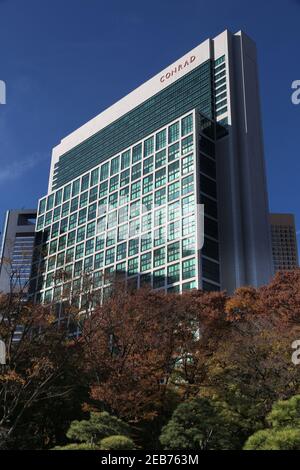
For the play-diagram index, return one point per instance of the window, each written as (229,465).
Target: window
(121,251)
(90,232)
(92,212)
(210,270)
(148,165)
(161,139)
(115,163)
(173,273)
(75,188)
(160,159)
(187,184)
(160,197)
(89,247)
(146,242)
(125,160)
(73,221)
(104,172)
(42,206)
(50,202)
(112,219)
(133,265)
(71,238)
(173,132)
(58,197)
(160,178)
(210,249)
(148,146)
(133,248)
(124,195)
(69,255)
(159,217)
(173,252)
(113,183)
(159,278)
(93,194)
(85,181)
(100,242)
(173,230)
(146,261)
(123,232)
(83,199)
(174,211)
(88,263)
(188,204)
(187,125)
(173,171)
(159,236)
(188,164)
(173,191)
(135,209)
(79,251)
(188,247)
(147,203)
(125,177)
(110,256)
(111,237)
(95,177)
(56,214)
(187,145)
(188,268)
(159,257)
(103,189)
(173,152)
(188,225)
(113,200)
(136,153)
(82,216)
(147,184)
(136,172)
(135,190)
(146,222)
(80,234)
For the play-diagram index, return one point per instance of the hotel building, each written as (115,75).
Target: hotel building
(126,189)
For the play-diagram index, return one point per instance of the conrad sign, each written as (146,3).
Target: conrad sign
(178,68)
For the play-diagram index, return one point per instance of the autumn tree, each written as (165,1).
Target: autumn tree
(252,367)
(42,368)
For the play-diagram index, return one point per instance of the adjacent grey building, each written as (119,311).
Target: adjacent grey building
(17,249)
(284,242)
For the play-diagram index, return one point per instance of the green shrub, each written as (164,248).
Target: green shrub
(117,442)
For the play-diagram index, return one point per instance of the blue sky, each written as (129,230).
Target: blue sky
(66,61)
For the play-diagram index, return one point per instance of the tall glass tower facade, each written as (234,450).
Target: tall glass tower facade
(153,187)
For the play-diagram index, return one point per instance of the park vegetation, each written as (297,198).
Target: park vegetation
(150,370)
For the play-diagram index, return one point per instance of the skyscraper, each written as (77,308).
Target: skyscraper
(124,188)
(16,250)
(284,242)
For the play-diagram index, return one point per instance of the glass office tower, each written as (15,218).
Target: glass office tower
(125,189)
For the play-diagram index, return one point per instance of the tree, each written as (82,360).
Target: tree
(42,367)
(251,368)
(98,427)
(117,443)
(284,428)
(98,431)
(130,348)
(199,424)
